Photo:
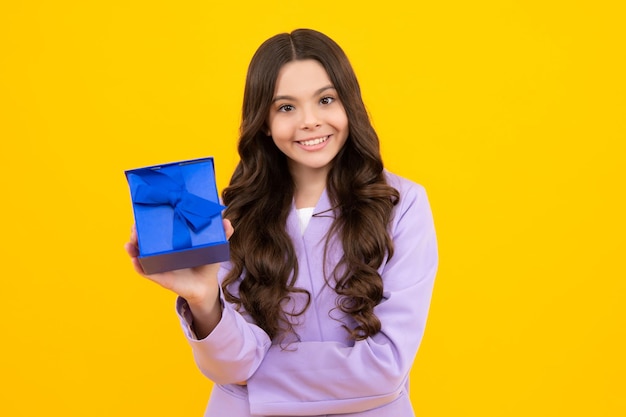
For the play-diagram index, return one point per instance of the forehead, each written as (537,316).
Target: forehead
(301,77)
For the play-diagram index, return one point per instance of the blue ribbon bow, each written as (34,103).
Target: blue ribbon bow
(190,211)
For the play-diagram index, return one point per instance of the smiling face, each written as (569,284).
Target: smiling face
(307,120)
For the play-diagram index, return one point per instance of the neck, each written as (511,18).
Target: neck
(309,185)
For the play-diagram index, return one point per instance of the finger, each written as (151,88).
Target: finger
(131,249)
(133,235)
(137,266)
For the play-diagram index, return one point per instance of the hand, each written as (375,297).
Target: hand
(195,285)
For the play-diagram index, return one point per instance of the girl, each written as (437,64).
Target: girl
(322,307)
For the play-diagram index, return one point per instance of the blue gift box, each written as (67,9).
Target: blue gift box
(177,215)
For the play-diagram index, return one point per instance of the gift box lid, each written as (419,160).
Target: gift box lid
(177,210)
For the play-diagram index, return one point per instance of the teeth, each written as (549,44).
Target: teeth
(314,141)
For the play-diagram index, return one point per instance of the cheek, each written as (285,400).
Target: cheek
(279,128)
(280,134)
(339,118)
(340,121)
(281,137)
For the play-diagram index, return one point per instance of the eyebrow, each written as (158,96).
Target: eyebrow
(318,91)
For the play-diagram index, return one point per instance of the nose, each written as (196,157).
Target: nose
(310,118)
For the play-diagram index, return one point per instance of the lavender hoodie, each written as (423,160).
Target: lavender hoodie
(321,372)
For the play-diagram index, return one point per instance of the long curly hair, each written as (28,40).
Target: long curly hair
(261,192)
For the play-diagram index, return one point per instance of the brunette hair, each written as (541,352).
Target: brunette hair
(261,190)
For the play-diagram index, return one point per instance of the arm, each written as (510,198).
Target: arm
(226,348)
(312,378)
(233,350)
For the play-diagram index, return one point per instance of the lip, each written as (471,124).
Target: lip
(314,147)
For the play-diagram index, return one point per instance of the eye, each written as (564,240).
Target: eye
(327,100)
(286,108)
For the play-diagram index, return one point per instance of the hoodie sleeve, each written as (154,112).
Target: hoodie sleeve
(232,352)
(328,377)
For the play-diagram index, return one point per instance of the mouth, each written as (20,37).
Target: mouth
(315,141)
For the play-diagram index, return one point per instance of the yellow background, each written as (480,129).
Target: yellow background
(511,113)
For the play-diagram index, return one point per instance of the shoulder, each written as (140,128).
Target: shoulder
(413,204)
(409,190)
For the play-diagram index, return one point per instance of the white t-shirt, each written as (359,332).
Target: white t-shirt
(304,214)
